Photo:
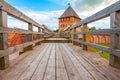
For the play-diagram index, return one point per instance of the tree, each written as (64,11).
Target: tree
(55,30)
(92,28)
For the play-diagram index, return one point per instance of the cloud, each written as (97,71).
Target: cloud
(49,18)
(15,23)
(101,24)
(89,7)
(84,8)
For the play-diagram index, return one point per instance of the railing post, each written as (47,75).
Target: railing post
(1,0)
(74,36)
(39,30)
(43,32)
(4,61)
(84,36)
(28,38)
(30,28)
(68,34)
(38,36)
(114,39)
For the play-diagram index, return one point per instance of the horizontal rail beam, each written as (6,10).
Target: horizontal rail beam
(17,48)
(17,14)
(103,48)
(100,32)
(99,15)
(13,30)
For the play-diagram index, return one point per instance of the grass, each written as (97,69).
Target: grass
(102,53)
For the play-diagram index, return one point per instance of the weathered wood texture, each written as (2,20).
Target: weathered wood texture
(56,40)
(114,12)
(58,61)
(100,15)
(115,39)
(18,31)
(5,10)
(4,60)
(17,14)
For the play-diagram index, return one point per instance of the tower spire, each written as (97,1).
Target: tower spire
(69,4)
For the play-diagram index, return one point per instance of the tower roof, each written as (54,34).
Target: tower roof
(69,13)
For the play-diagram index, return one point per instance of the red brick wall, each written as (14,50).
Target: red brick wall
(68,21)
(100,39)
(15,39)
(95,38)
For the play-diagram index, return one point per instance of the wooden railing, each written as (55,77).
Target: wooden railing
(5,10)
(114,32)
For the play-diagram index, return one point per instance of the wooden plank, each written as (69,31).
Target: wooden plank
(4,60)
(40,70)
(84,74)
(98,32)
(61,73)
(29,71)
(50,71)
(72,72)
(103,48)
(20,65)
(21,46)
(98,63)
(114,40)
(96,74)
(101,14)
(18,31)
(4,53)
(84,39)
(102,66)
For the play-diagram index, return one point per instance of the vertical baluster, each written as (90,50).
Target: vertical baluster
(84,36)
(4,61)
(114,39)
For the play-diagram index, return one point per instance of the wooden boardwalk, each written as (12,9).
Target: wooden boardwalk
(58,61)
(57,40)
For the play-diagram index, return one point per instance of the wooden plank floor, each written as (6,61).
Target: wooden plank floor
(57,61)
(56,39)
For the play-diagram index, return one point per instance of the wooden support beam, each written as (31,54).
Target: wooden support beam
(115,40)
(68,34)
(73,35)
(1,0)
(84,36)
(16,13)
(39,36)
(28,38)
(100,15)
(4,61)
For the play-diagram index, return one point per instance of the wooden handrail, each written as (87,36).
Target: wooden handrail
(5,10)
(99,15)
(114,12)
(17,14)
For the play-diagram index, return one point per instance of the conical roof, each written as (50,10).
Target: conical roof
(69,13)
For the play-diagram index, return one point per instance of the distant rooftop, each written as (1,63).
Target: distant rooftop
(69,13)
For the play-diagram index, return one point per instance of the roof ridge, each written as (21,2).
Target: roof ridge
(69,12)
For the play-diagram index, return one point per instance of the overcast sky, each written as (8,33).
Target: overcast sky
(48,11)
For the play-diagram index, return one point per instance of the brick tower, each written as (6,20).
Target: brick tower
(68,18)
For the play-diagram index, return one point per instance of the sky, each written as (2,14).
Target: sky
(48,11)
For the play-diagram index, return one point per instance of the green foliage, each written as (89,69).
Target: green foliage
(55,30)
(107,45)
(102,53)
(92,28)
(105,55)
